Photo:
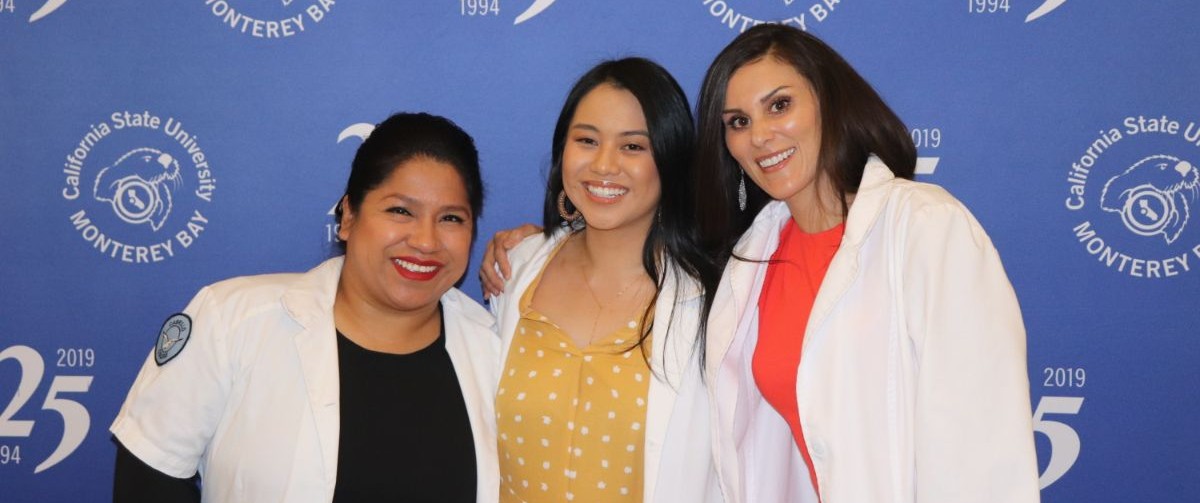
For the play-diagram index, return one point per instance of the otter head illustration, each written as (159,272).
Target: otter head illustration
(137,186)
(1153,196)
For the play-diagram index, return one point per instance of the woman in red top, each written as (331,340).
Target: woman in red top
(864,344)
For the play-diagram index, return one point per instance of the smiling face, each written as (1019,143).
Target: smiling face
(773,129)
(608,167)
(410,239)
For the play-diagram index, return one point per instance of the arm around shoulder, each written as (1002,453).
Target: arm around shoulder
(522,258)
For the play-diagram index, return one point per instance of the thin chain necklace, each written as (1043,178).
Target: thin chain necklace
(602,307)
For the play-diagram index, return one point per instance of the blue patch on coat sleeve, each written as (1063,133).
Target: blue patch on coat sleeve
(172,337)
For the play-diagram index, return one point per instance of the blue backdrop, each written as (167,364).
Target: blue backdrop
(150,148)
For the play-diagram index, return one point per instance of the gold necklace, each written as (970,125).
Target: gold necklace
(596,299)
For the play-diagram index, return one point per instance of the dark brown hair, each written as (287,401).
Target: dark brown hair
(855,123)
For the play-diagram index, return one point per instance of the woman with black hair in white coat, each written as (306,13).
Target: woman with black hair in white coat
(367,378)
(600,398)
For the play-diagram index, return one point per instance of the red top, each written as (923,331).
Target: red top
(793,277)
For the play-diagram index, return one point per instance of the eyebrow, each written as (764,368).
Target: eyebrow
(764,99)
(412,201)
(589,127)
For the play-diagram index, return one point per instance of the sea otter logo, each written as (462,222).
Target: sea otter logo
(1153,196)
(137,186)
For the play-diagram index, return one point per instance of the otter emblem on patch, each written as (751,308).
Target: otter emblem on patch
(172,338)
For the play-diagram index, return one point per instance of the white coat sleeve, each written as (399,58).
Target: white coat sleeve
(973,431)
(172,410)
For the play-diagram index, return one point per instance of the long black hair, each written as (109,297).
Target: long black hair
(674,237)
(855,123)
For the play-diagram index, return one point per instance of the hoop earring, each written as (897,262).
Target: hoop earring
(741,192)
(568,217)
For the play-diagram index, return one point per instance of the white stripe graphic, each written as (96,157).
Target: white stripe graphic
(533,10)
(1044,9)
(361,131)
(46,9)
(927,165)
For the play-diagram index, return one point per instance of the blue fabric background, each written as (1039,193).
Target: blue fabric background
(1012,103)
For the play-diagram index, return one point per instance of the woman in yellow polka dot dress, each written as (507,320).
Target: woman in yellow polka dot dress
(600,397)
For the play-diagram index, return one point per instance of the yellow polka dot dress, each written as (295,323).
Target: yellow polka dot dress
(571,421)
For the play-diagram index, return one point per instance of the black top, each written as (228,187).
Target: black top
(405,434)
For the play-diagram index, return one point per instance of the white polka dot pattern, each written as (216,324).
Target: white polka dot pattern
(587,442)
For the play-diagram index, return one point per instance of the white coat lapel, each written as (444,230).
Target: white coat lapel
(671,353)
(722,320)
(310,303)
(728,324)
(528,258)
(473,348)
(736,293)
(844,268)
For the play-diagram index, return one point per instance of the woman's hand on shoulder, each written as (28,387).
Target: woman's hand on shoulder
(495,269)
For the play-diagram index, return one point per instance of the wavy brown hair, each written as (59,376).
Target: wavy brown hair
(855,123)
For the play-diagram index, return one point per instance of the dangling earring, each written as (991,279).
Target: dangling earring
(741,192)
(568,218)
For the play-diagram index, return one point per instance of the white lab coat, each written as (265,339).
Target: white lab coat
(913,386)
(252,399)
(678,458)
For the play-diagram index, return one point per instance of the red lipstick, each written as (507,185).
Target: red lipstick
(416,269)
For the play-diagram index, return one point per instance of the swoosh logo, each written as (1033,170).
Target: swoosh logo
(927,165)
(46,9)
(533,10)
(1044,9)
(361,131)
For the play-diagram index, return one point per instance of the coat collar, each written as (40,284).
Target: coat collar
(742,281)
(309,302)
(761,239)
(843,269)
(462,307)
(870,200)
